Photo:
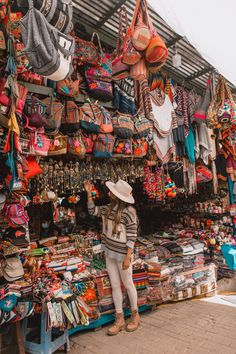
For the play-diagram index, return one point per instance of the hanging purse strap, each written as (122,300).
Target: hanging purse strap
(99,41)
(136,13)
(123,28)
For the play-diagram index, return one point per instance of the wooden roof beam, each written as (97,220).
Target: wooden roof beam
(110,13)
(200,73)
(173,41)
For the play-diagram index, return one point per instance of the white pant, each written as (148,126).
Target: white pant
(117,274)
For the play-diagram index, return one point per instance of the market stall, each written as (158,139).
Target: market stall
(75,107)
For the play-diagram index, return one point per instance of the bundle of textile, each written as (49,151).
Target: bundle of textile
(140,278)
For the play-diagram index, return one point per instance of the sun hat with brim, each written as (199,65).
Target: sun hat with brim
(122,190)
(13,269)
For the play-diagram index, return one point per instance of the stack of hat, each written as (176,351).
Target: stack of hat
(12,269)
(17,237)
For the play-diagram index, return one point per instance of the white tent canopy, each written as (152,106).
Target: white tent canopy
(209,25)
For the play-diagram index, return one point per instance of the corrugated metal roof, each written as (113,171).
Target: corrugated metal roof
(103,16)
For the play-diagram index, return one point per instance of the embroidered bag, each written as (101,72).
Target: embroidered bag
(123,147)
(90,117)
(123,125)
(70,118)
(39,144)
(99,76)
(88,140)
(86,52)
(120,70)
(58,145)
(142,126)
(140,147)
(68,87)
(76,146)
(103,146)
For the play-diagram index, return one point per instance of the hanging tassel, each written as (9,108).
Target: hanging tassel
(11,68)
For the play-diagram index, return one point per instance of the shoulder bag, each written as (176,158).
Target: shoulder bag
(123,125)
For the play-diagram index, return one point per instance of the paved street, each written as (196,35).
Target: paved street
(194,327)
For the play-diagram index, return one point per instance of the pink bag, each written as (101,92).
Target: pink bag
(88,140)
(39,144)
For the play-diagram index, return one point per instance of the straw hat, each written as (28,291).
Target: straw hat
(121,190)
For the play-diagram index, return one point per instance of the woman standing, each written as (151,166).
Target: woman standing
(119,222)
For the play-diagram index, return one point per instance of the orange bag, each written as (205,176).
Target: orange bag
(156,51)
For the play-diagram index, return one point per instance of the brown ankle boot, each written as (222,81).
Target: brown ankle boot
(118,325)
(134,321)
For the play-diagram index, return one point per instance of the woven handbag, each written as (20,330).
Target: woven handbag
(58,145)
(156,51)
(141,34)
(123,125)
(139,71)
(103,146)
(140,147)
(53,114)
(76,146)
(86,52)
(130,54)
(88,140)
(120,70)
(91,117)
(142,127)
(99,76)
(68,87)
(34,105)
(106,124)
(57,12)
(70,122)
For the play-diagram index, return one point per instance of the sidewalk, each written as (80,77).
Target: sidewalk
(194,327)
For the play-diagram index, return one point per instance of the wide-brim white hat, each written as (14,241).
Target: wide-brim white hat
(121,190)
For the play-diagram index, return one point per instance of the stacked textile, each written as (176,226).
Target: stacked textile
(177,270)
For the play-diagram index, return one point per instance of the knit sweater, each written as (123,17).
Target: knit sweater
(116,245)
